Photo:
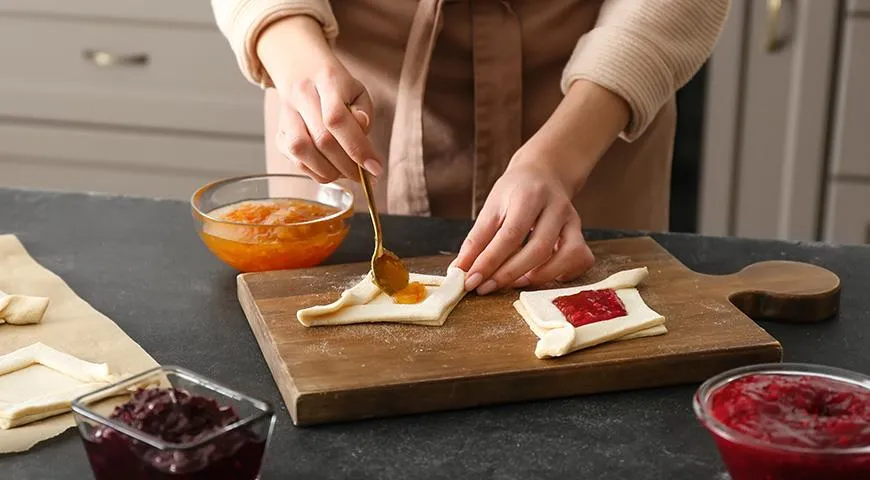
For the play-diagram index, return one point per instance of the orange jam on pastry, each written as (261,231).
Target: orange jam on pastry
(415,292)
(274,234)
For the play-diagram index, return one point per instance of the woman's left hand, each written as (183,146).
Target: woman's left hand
(534,198)
(529,200)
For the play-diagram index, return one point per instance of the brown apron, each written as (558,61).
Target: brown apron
(459,86)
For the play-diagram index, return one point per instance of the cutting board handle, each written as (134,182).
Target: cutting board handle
(784,291)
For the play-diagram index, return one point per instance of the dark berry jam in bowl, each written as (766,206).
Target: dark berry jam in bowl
(789,421)
(173,424)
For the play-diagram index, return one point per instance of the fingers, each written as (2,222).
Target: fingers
(295,143)
(361,117)
(317,178)
(363,103)
(308,103)
(536,251)
(510,236)
(484,228)
(342,123)
(572,258)
(335,110)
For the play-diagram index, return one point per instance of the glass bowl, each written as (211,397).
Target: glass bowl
(752,457)
(232,219)
(117,450)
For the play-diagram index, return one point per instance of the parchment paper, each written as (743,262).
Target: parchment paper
(70,325)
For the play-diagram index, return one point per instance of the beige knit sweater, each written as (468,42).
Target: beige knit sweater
(643,50)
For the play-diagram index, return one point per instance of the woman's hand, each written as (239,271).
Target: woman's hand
(534,198)
(527,198)
(325,111)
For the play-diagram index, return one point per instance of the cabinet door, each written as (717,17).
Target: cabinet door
(847,219)
(859,6)
(172,11)
(151,164)
(850,152)
(155,76)
(722,107)
(785,102)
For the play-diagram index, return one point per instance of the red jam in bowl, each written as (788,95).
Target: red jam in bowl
(174,416)
(781,426)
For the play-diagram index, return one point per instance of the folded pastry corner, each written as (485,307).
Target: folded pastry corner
(366,303)
(22,309)
(45,393)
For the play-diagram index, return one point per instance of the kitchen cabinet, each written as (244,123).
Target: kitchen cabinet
(141,97)
(850,152)
(786,150)
(847,219)
(859,6)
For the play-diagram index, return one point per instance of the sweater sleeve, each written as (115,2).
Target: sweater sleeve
(242,21)
(645,50)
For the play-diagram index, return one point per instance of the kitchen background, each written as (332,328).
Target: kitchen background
(142,97)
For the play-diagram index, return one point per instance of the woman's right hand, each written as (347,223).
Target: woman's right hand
(325,112)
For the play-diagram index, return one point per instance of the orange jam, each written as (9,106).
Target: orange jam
(273,240)
(415,292)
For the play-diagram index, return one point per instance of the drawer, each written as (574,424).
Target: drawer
(190,80)
(859,6)
(850,154)
(186,11)
(120,162)
(97,179)
(847,214)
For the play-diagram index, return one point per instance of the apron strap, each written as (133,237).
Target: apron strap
(406,178)
(497,63)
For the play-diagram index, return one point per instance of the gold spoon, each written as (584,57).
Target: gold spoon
(388,271)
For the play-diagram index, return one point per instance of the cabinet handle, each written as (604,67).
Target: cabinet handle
(774,19)
(102,58)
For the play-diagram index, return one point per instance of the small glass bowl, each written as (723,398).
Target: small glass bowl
(119,451)
(749,458)
(253,247)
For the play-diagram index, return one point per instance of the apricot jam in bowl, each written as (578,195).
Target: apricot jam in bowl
(272,222)
(789,421)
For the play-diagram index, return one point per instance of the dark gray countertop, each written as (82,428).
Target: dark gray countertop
(140,262)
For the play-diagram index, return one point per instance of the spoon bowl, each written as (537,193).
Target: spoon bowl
(388,271)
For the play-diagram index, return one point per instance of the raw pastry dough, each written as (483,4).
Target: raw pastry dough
(366,303)
(557,337)
(34,376)
(21,309)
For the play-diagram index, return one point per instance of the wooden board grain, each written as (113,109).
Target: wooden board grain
(484,353)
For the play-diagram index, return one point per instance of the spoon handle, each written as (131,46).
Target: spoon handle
(373,211)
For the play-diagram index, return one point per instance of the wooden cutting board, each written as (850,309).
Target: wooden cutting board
(484,353)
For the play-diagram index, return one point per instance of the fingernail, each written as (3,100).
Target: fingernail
(522,282)
(373,167)
(473,281)
(488,287)
(362,118)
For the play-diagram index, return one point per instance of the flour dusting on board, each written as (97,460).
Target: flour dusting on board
(319,348)
(398,335)
(353,281)
(428,338)
(613,263)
